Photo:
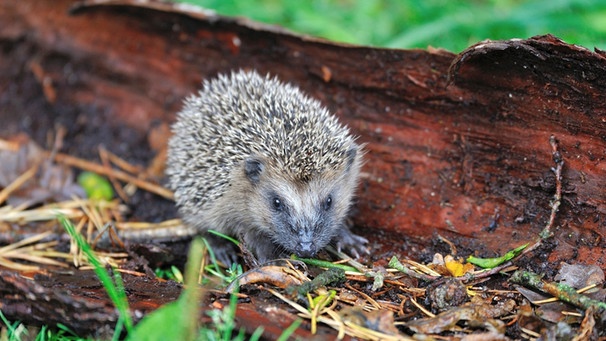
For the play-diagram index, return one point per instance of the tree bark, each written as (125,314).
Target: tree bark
(455,144)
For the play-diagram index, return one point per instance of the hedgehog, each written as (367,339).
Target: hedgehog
(257,159)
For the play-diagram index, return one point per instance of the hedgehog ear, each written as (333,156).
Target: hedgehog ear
(351,157)
(253,167)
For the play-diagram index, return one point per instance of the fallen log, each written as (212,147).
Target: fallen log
(457,145)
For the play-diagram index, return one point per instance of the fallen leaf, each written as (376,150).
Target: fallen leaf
(456,267)
(477,315)
(48,181)
(279,276)
(444,295)
(580,275)
(377,320)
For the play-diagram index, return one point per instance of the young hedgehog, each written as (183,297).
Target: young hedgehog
(255,158)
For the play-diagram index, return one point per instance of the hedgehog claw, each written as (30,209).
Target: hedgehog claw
(226,255)
(224,250)
(352,243)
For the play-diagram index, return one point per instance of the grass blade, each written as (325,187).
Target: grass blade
(115,291)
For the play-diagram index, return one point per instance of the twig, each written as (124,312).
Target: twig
(546,232)
(329,276)
(414,302)
(119,162)
(396,264)
(557,198)
(564,292)
(6,191)
(338,323)
(559,161)
(474,276)
(377,274)
(44,79)
(370,300)
(99,169)
(361,268)
(30,240)
(325,264)
(105,160)
(33,250)
(453,247)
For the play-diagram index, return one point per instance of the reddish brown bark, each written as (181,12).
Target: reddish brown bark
(457,145)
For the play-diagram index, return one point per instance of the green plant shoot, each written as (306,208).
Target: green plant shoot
(489,263)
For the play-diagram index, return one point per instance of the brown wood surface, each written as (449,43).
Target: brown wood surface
(455,143)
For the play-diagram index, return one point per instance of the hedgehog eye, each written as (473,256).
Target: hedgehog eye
(328,203)
(277,204)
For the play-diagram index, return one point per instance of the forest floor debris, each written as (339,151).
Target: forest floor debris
(446,299)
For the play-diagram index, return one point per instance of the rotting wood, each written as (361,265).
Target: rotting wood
(451,139)
(51,300)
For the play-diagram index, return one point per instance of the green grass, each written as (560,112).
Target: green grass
(16,331)
(178,320)
(453,25)
(114,287)
(214,269)
(174,321)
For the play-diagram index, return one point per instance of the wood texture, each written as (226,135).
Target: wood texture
(456,144)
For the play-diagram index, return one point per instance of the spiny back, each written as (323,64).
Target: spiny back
(241,115)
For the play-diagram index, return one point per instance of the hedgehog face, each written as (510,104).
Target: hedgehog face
(304,218)
(300,218)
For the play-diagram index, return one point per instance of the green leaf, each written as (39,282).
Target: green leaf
(96,186)
(176,320)
(489,263)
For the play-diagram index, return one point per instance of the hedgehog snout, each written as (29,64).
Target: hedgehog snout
(305,249)
(304,242)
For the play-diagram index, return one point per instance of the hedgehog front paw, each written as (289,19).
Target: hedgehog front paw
(225,251)
(259,245)
(351,243)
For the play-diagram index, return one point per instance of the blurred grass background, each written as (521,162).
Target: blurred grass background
(450,24)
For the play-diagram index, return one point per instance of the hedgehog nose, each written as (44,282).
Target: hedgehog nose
(305,249)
